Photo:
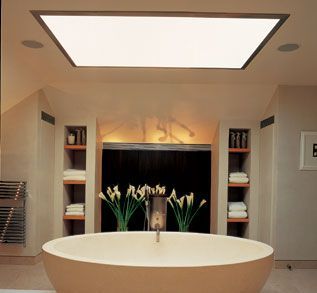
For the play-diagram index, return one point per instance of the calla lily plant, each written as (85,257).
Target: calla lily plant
(124,207)
(184,209)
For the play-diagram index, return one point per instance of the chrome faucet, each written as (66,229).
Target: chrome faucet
(158,214)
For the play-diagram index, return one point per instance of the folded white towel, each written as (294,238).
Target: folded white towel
(237,214)
(75,177)
(238,174)
(79,204)
(238,180)
(237,206)
(72,172)
(74,209)
(74,213)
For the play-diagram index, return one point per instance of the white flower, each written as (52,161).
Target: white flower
(181,201)
(129,190)
(190,199)
(202,202)
(173,194)
(102,196)
(111,194)
(117,193)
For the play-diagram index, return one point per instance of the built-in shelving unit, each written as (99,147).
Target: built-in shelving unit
(239,161)
(74,190)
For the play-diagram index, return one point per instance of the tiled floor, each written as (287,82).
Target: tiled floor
(33,277)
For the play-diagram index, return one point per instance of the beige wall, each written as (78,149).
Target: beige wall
(287,218)
(296,219)
(26,154)
(268,172)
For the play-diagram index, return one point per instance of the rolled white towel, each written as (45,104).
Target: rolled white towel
(237,206)
(74,213)
(74,209)
(237,214)
(238,180)
(75,177)
(74,172)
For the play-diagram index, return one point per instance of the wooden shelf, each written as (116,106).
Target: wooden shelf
(73,217)
(75,147)
(238,220)
(238,150)
(238,184)
(77,182)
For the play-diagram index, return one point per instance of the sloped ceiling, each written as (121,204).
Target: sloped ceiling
(195,98)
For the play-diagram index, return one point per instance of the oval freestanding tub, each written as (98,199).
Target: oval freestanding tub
(122,262)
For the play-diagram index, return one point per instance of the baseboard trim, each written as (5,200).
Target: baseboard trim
(20,260)
(295,264)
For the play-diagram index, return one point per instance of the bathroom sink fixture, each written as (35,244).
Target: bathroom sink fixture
(135,262)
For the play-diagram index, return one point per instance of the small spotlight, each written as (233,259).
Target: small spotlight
(32,44)
(288,47)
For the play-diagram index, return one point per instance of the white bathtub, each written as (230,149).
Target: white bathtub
(133,262)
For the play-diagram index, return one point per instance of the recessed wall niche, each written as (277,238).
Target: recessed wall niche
(187,168)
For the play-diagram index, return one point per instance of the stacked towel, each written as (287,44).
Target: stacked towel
(237,214)
(74,174)
(75,209)
(237,210)
(238,177)
(236,206)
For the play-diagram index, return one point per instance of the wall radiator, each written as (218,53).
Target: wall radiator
(12,212)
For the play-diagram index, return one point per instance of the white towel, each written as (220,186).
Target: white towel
(74,172)
(79,204)
(75,177)
(238,174)
(74,209)
(237,206)
(74,213)
(237,214)
(238,180)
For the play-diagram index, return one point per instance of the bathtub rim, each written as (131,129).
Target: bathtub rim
(49,248)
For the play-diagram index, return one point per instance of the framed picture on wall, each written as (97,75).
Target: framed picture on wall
(308,150)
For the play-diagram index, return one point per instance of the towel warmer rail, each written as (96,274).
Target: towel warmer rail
(12,212)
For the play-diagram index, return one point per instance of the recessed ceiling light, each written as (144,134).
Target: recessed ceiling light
(177,40)
(32,44)
(288,47)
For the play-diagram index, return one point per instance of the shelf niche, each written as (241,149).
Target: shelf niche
(74,190)
(239,160)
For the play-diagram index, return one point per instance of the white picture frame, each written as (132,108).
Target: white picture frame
(308,150)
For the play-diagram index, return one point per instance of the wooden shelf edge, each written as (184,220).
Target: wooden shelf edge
(239,150)
(75,147)
(238,220)
(73,217)
(238,184)
(74,182)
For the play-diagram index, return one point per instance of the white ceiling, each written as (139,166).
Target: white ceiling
(225,92)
